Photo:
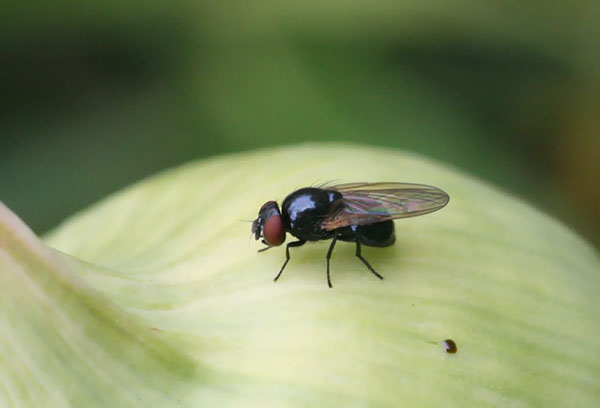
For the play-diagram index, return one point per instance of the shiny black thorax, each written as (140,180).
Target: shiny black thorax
(304,210)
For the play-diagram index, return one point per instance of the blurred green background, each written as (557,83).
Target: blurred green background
(96,95)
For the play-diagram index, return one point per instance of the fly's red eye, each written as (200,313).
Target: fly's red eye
(273,231)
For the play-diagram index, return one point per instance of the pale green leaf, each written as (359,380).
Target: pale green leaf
(164,301)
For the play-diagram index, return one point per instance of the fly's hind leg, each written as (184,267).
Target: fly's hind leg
(367,264)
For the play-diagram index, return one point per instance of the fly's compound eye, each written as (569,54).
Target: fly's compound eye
(273,231)
(269,224)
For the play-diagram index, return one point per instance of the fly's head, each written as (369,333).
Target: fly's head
(269,225)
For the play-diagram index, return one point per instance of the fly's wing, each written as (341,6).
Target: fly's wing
(368,203)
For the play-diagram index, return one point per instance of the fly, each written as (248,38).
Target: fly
(362,213)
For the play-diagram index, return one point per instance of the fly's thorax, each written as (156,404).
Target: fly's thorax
(304,210)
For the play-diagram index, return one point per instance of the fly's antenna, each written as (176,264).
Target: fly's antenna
(251,233)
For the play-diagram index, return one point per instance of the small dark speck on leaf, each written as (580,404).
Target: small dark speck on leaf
(450,346)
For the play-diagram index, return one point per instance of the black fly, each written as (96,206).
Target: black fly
(353,212)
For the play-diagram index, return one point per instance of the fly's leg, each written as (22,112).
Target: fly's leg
(328,257)
(265,248)
(287,255)
(359,256)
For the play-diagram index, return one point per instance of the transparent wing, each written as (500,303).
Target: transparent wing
(368,203)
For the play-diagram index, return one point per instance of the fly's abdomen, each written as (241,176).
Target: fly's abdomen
(380,234)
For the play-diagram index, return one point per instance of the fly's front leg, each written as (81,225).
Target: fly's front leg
(287,255)
(265,248)
(359,256)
